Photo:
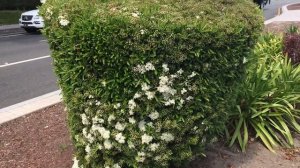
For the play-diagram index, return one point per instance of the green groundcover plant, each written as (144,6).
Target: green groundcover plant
(148,83)
(267,99)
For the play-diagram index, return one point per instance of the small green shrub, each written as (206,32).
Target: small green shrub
(148,83)
(267,98)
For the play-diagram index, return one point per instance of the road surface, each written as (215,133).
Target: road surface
(25,68)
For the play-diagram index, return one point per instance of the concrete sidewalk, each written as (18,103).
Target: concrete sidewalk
(29,106)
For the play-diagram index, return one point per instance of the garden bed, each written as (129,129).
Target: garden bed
(42,140)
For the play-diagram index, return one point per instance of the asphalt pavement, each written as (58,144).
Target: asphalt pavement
(25,68)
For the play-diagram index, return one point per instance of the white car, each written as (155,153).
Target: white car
(31,21)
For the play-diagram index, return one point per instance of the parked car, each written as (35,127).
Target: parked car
(31,21)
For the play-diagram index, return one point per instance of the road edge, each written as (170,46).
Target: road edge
(26,107)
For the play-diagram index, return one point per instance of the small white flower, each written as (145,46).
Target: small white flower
(96,120)
(49,13)
(150,95)
(142,32)
(63,21)
(197,17)
(145,87)
(84,132)
(142,125)
(192,75)
(245,60)
(90,138)
(135,14)
(174,76)
(154,146)
(100,147)
(98,103)
(140,69)
(165,68)
(154,115)
(131,120)
(150,124)
(103,83)
(167,137)
(140,157)
(170,102)
(120,138)
(117,106)
(180,71)
(105,134)
(189,98)
(120,126)
(181,101)
(43,1)
(149,67)
(146,139)
(84,119)
(75,163)
(107,144)
(116,166)
(163,80)
(131,112)
(131,104)
(137,95)
(88,149)
(111,118)
(130,145)
(183,91)
(91,96)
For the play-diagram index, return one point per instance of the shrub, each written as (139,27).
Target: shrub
(148,83)
(292,43)
(267,98)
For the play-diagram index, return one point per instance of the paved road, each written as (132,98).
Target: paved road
(271,10)
(24,71)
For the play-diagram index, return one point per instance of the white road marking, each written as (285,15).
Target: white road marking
(20,62)
(43,40)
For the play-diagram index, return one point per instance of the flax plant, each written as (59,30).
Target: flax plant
(267,99)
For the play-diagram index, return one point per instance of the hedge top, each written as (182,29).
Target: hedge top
(226,15)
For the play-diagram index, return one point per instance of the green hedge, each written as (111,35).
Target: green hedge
(19,4)
(148,83)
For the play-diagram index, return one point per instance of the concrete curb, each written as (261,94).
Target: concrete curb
(29,106)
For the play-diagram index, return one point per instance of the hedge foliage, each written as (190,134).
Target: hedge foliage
(148,83)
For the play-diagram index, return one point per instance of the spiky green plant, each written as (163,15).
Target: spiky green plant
(267,98)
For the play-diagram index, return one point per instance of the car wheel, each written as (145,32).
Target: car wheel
(30,30)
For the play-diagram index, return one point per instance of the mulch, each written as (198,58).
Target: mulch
(38,140)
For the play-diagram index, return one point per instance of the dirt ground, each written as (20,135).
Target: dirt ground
(41,140)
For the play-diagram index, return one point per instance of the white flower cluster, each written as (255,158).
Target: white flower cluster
(144,68)
(143,134)
(63,21)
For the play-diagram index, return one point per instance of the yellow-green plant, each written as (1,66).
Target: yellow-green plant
(267,98)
